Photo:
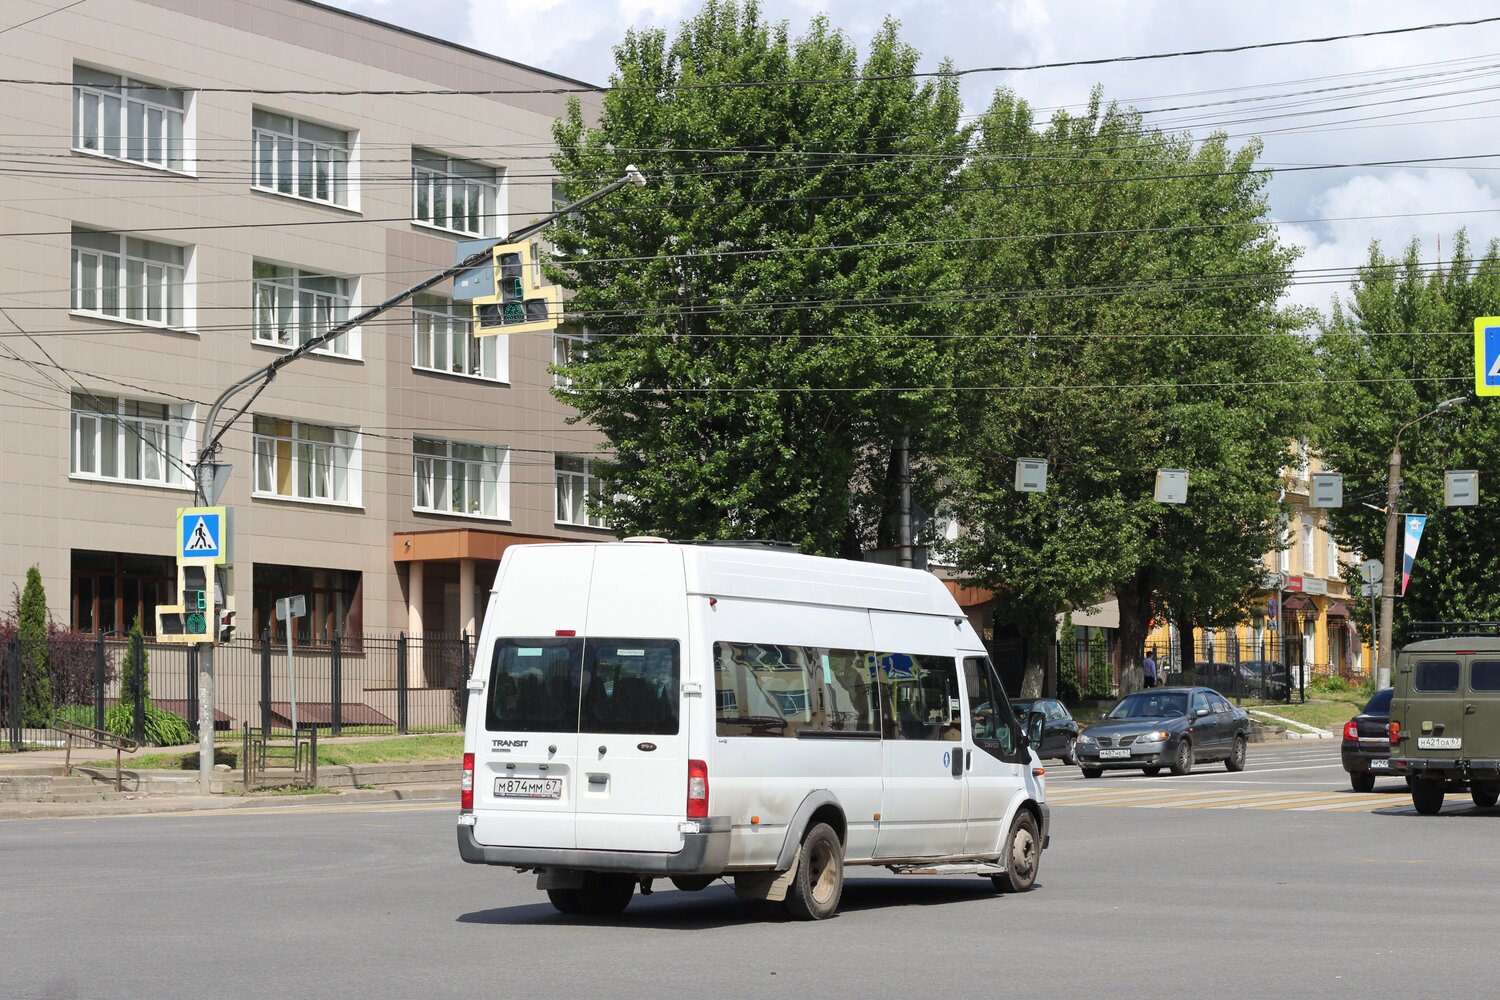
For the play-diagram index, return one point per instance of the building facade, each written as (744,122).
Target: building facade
(193,188)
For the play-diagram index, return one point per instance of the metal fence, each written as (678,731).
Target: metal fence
(347,686)
(1264,668)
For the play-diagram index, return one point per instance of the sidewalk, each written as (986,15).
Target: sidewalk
(152,791)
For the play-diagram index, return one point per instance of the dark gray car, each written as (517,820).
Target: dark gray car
(1160,728)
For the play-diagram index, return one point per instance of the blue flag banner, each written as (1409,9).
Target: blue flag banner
(1414,525)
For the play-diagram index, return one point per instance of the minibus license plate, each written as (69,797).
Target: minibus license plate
(1113,754)
(528,788)
(1439,743)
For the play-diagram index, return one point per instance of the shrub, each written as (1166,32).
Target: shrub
(31,631)
(163,728)
(135,672)
(1331,684)
(1101,677)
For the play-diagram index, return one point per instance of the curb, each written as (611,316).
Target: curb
(214,803)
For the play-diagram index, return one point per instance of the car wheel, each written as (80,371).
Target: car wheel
(1151,771)
(1427,796)
(815,889)
(1092,772)
(604,895)
(1023,855)
(1236,760)
(565,900)
(1070,751)
(1182,763)
(1485,793)
(1362,781)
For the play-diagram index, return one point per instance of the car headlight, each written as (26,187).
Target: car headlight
(1086,739)
(1155,736)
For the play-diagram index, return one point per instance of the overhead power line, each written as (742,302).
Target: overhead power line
(823,81)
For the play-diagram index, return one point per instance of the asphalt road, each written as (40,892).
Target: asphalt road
(1275,882)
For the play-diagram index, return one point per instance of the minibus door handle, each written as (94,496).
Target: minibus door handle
(958,762)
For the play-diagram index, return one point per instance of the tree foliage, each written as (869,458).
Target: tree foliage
(758,313)
(1120,316)
(31,635)
(1401,344)
(135,671)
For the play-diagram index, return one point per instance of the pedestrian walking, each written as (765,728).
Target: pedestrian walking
(1148,667)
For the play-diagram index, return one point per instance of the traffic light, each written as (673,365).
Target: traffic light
(188,620)
(226,626)
(520,304)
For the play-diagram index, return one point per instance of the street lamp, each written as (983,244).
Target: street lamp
(1392,523)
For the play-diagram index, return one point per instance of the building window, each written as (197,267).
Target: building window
(300,158)
(578,492)
(129,440)
(127,119)
(441,340)
(306,461)
(335,604)
(1284,553)
(1309,554)
(126,278)
(293,306)
(110,590)
(457,478)
(567,349)
(1332,553)
(458,195)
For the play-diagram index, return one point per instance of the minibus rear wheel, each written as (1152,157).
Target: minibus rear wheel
(819,882)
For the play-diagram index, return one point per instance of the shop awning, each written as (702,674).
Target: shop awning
(1338,609)
(1297,602)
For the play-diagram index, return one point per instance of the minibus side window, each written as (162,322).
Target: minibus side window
(1484,675)
(779,690)
(630,686)
(534,685)
(1437,675)
(995,729)
(919,697)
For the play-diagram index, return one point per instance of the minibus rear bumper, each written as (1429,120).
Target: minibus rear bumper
(703,853)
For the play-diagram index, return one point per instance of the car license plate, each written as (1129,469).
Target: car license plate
(1113,754)
(1439,742)
(1380,765)
(528,788)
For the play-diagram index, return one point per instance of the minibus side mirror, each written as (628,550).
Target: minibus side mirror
(1035,723)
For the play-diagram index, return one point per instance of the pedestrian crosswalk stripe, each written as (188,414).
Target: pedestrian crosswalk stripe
(1194,798)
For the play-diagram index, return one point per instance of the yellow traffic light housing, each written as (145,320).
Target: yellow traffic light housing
(520,303)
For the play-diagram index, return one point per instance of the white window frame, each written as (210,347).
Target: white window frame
(437,179)
(136,121)
(1309,551)
(576,481)
(309,309)
(442,341)
(449,478)
(296,161)
(563,347)
(1284,553)
(324,464)
(124,278)
(102,431)
(1331,553)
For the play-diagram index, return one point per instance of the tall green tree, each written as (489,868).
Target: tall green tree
(135,672)
(761,329)
(1120,288)
(1401,344)
(31,633)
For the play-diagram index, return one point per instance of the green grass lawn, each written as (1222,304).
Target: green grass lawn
(396,749)
(1329,715)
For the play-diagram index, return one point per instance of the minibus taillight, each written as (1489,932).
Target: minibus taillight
(1394,730)
(466,786)
(697,799)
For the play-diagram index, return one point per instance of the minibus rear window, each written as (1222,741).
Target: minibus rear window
(1484,675)
(534,685)
(630,686)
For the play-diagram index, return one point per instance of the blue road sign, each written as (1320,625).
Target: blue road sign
(1487,356)
(202,534)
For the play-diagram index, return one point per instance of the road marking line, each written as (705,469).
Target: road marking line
(1301,801)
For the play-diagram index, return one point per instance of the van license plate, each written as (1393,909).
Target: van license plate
(1113,754)
(1380,765)
(1439,742)
(528,788)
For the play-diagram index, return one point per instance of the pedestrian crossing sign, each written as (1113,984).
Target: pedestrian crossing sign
(203,535)
(1487,356)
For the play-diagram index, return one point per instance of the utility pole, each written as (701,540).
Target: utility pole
(203,469)
(1392,532)
(903,519)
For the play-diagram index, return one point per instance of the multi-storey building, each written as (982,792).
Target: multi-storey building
(191,189)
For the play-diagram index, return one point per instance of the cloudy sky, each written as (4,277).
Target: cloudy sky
(1420,95)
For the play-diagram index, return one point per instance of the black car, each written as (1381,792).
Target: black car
(1165,727)
(1266,680)
(1059,730)
(1366,749)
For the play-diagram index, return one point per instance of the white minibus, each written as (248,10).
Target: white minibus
(645,710)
